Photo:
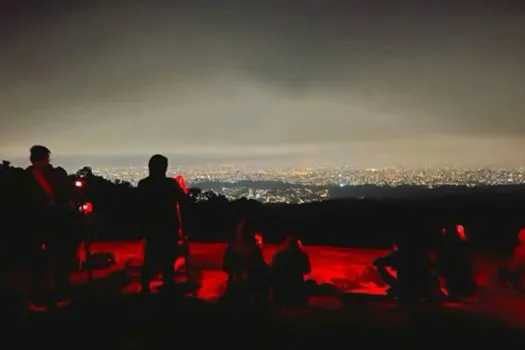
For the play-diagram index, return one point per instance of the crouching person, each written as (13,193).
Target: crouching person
(413,278)
(248,276)
(289,268)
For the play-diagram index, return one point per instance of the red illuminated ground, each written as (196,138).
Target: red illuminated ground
(345,268)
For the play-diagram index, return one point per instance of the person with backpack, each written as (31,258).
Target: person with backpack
(50,209)
(163,203)
(289,267)
(413,278)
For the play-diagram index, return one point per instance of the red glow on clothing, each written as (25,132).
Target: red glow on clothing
(37,308)
(179,216)
(461,232)
(82,253)
(521,235)
(42,181)
(182,183)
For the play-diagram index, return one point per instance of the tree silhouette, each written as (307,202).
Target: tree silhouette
(194,194)
(85,172)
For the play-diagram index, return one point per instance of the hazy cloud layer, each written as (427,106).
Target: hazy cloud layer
(359,82)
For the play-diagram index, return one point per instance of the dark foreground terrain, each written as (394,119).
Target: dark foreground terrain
(109,313)
(136,322)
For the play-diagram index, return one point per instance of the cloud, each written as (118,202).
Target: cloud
(110,78)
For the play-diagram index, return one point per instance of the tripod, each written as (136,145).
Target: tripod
(86,210)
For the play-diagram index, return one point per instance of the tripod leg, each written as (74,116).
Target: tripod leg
(188,260)
(88,264)
(87,246)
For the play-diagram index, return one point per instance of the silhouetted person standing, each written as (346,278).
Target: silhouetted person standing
(289,266)
(514,273)
(454,263)
(50,209)
(159,196)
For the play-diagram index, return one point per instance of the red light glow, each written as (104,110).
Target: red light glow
(258,238)
(182,183)
(461,232)
(87,208)
(521,235)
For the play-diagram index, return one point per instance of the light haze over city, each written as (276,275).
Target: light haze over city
(359,83)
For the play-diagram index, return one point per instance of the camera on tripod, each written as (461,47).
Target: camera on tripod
(81,203)
(88,260)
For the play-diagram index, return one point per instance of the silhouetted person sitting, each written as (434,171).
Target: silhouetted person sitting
(246,268)
(289,267)
(514,273)
(413,274)
(454,264)
(159,196)
(50,209)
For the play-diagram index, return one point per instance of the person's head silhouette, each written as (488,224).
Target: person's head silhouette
(39,154)
(158,165)
(293,243)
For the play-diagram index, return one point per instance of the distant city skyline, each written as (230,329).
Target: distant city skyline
(272,159)
(299,185)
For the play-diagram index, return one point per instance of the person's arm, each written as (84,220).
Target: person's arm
(64,190)
(387,260)
(180,196)
(141,199)
(275,260)
(258,258)
(307,265)
(182,203)
(227,260)
(518,258)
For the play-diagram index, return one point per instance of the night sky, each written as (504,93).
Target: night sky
(364,83)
